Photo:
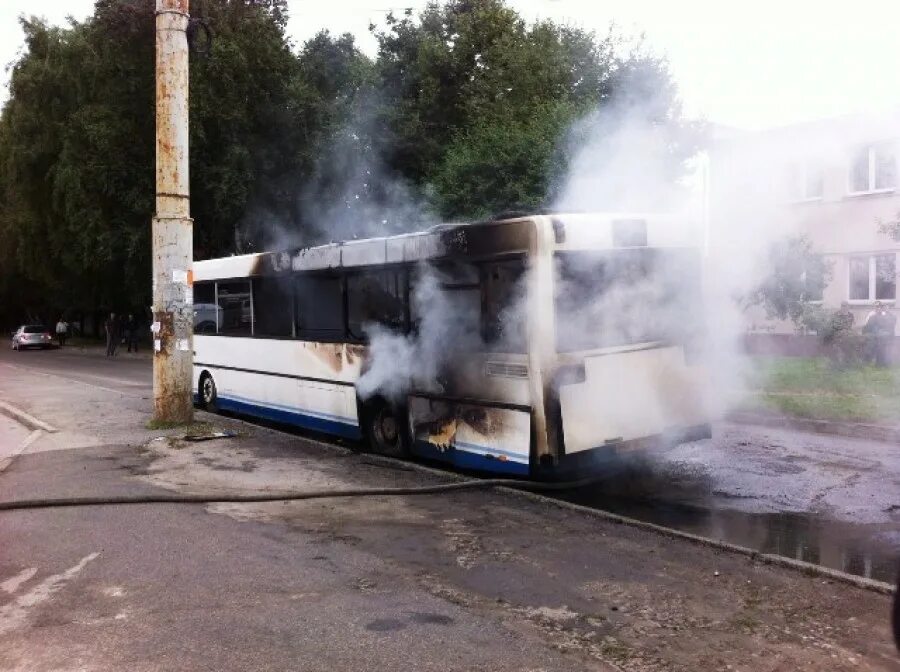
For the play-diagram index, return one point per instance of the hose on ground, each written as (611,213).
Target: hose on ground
(475,484)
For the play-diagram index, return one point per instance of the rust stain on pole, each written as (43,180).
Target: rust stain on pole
(172,225)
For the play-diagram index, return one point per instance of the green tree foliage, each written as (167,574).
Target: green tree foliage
(465,111)
(504,164)
(77,145)
(479,102)
(794,283)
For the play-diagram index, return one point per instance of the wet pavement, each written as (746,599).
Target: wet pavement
(826,500)
(869,550)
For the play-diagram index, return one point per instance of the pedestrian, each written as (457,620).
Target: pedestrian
(131,332)
(62,331)
(879,328)
(840,337)
(112,335)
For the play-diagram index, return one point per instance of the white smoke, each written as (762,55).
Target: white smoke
(447,326)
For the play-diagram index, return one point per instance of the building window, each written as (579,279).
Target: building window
(806,180)
(873,168)
(873,278)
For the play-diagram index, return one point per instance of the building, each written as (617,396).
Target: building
(834,181)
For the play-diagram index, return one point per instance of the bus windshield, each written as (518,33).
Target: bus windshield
(611,298)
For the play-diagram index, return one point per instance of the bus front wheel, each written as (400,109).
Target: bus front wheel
(208,393)
(386,429)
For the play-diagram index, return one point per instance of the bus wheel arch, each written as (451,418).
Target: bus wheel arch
(384,425)
(208,392)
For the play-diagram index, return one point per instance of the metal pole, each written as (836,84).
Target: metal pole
(172,226)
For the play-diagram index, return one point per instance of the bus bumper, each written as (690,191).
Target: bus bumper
(610,457)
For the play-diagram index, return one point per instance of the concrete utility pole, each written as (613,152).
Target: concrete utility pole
(173,242)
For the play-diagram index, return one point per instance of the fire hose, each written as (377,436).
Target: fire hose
(287,496)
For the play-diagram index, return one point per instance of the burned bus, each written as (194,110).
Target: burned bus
(528,345)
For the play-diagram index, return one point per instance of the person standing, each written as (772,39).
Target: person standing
(840,336)
(131,332)
(880,326)
(112,334)
(62,331)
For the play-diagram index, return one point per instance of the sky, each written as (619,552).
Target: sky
(746,65)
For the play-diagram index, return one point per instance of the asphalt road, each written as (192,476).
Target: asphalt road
(473,581)
(829,500)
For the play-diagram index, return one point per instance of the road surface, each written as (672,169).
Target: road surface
(828,500)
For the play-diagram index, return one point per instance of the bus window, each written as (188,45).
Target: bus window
(319,307)
(376,297)
(445,300)
(273,307)
(205,308)
(503,289)
(235,308)
(623,297)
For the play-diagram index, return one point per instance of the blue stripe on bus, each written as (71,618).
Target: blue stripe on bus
(319,422)
(293,409)
(489,449)
(465,459)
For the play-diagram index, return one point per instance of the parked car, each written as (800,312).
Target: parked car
(32,336)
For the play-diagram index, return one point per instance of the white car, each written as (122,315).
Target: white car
(32,336)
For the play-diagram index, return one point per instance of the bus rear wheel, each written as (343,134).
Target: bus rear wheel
(386,429)
(208,392)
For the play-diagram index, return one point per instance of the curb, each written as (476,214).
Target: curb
(852,430)
(807,568)
(25,419)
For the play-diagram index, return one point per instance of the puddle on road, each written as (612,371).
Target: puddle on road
(871,551)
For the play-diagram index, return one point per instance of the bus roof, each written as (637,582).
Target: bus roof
(478,239)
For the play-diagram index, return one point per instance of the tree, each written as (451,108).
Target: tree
(479,103)
(500,164)
(794,284)
(891,227)
(77,146)
(466,111)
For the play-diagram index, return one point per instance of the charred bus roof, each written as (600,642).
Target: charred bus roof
(463,240)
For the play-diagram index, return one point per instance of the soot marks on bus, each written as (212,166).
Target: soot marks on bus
(439,423)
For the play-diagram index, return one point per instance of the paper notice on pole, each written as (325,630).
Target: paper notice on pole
(189,296)
(157,345)
(155,327)
(184,344)
(180,277)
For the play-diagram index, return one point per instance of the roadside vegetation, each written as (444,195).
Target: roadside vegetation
(815,388)
(464,111)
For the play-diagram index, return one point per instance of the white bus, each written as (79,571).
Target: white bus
(529,345)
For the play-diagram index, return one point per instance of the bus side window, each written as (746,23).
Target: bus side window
(272,309)
(205,308)
(376,297)
(235,308)
(503,312)
(320,307)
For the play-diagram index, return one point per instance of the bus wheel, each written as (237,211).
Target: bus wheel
(386,429)
(208,393)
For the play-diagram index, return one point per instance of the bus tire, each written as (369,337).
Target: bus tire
(385,428)
(208,392)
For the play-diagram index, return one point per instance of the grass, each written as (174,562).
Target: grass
(813,388)
(190,428)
